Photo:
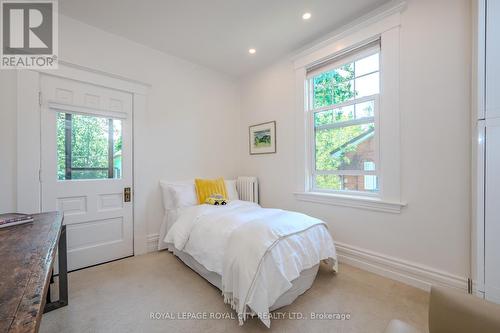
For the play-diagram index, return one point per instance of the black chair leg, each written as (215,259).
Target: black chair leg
(48,299)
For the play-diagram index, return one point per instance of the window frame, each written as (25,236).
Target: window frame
(385,28)
(311,112)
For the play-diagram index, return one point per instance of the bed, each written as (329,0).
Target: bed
(261,259)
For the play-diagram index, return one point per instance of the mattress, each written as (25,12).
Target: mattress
(299,286)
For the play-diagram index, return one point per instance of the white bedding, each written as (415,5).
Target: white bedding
(257,251)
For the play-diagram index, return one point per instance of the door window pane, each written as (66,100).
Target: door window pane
(88,147)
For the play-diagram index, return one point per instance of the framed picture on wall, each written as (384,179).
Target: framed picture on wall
(262,138)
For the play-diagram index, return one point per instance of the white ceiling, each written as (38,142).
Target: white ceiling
(218,33)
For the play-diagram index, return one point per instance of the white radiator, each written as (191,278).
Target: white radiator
(248,188)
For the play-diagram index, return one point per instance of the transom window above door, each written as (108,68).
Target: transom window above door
(88,147)
(342,105)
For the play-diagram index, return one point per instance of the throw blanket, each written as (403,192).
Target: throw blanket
(257,251)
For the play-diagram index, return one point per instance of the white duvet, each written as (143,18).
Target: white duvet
(257,251)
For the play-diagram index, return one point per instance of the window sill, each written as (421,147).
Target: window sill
(368,203)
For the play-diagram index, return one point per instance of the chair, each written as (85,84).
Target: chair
(454,312)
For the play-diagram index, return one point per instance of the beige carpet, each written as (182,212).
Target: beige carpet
(120,297)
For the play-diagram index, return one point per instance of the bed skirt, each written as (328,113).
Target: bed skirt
(299,286)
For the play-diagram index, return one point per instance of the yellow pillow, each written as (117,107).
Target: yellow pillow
(208,187)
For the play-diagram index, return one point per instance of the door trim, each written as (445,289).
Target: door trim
(29,134)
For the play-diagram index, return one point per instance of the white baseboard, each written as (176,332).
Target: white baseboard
(416,275)
(152,242)
(406,272)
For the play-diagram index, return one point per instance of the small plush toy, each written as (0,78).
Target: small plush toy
(216,199)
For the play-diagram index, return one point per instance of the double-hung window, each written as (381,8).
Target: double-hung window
(347,120)
(342,106)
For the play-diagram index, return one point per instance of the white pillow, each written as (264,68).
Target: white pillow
(178,194)
(165,194)
(232,193)
(183,193)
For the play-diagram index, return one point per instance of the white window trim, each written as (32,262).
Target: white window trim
(354,201)
(385,26)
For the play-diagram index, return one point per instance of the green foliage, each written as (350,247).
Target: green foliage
(335,87)
(89,142)
(331,140)
(118,144)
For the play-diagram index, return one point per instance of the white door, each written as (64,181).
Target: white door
(86,165)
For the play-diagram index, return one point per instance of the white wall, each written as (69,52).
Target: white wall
(8,132)
(433,230)
(191,121)
(192,111)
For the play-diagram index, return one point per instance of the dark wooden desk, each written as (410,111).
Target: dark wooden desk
(27,256)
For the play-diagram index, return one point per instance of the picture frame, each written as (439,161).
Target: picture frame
(262,138)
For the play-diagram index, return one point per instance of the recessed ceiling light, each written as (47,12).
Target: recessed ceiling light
(252,51)
(306,16)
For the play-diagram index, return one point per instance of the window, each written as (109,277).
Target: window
(348,118)
(342,107)
(88,147)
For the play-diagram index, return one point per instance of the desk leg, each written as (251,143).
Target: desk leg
(63,274)
(48,299)
(63,268)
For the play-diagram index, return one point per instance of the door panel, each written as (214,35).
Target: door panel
(86,152)
(97,232)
